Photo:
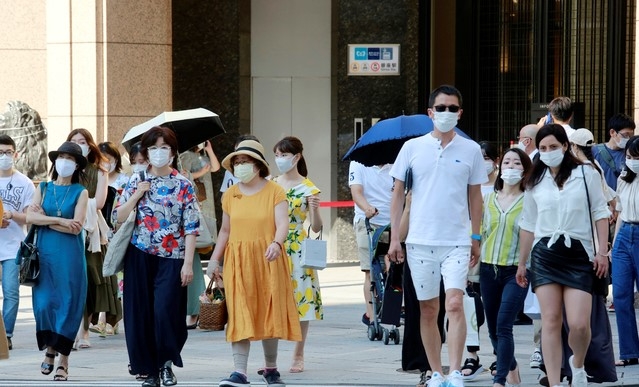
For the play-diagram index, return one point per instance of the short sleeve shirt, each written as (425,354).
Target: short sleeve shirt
(17,193)
(377,185)
(165,214)
(439,213)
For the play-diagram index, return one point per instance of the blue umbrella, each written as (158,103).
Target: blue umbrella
(382,142)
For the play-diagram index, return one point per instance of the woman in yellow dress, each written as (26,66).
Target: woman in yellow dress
(256,271)
(303,202)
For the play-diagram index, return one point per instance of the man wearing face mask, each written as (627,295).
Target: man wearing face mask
(16,191)
(439,241)
(527,140)
(611,155)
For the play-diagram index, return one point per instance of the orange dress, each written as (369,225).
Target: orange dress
(259,294)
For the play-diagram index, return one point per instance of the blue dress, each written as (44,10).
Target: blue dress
(59,297)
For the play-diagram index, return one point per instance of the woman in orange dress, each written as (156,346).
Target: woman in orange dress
(259,293)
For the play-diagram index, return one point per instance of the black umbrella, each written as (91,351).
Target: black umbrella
(191,127)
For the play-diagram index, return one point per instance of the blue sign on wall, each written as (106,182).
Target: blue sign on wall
(373,59)
(361,53)
(373,53)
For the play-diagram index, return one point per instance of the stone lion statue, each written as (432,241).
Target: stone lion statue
(24,125)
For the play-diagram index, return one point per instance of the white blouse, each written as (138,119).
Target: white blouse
(551,212)
(628,200)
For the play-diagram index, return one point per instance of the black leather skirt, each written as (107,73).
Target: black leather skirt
(558,264)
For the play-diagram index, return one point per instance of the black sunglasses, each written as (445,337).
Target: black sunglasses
(442,108)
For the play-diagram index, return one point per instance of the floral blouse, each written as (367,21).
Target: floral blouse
(165,214)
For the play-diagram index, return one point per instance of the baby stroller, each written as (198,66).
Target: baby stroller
(386,287)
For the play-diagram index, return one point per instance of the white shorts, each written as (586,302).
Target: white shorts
(428,264)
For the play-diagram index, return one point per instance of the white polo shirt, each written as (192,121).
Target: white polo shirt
(439,209)
(378,190)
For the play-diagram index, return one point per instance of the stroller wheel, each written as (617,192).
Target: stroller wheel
(396,335)
(380,333)
(386,335)
(371,332)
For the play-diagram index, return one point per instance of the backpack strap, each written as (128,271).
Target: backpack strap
(607,157)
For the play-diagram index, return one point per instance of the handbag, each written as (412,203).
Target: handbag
(314,252)
(28,257)
(599,285)
(200,190)
(205,237)
(213,313)
(114,257)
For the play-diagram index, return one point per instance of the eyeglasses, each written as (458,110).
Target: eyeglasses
(163,147)
(523,137)
(625,136)
(442,108)
(8,153)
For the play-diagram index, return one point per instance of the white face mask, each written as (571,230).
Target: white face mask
(85,149)
(490,166)
(445,121)
(137,168)
(552,158)
(65,167)
(160,157)
(111,167)
(621,143)
(284,164)
(633,165)
(521,145)
(511,176)
(6,162)
(244,172)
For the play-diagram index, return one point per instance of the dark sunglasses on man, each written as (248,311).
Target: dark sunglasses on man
(442,108)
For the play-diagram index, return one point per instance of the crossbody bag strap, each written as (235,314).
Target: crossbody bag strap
(43,193)
(592,231)
(607,157)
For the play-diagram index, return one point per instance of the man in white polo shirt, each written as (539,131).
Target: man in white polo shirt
(371,191)
(447,173)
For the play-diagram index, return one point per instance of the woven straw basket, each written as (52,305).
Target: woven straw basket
(213,315)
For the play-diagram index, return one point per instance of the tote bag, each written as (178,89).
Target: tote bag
(114,258)
(314,252)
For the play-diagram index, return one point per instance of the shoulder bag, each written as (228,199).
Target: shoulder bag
(28,256)
(599,285)
(114,257)
(313,252)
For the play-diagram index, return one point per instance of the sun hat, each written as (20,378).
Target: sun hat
(582,137)
(70,148)
(247,147)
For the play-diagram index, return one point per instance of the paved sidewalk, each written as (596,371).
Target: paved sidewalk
(338,352)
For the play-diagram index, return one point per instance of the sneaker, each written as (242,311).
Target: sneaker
(365,320)
(235,380)
(611,307)
(436,380)
(272,378)
(579,376)
(535,359)
(9,343)
(455,379)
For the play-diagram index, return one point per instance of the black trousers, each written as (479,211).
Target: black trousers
(154,311)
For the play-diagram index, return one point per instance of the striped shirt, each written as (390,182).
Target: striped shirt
(500,231)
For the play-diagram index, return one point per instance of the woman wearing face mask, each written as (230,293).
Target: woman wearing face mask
(60,295)
(138,161)
(257,279)
(159,260)
(625,255)
(555,231)
(303,201)
(501,295)
(102,293)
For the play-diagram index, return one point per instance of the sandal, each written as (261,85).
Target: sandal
(493,369)
(61,374)
(474,368)
(627,362)
(47,368)
(297,366)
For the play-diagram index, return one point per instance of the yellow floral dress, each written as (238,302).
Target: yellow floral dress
(306,288)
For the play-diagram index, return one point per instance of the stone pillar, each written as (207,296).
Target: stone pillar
(108,65)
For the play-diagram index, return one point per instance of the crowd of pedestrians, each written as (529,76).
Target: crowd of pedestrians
(551,219)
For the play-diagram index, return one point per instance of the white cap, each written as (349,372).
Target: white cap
(582,137)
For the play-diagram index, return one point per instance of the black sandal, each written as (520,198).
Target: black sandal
(473,366)
(47,368)
(493,369)
(627,362)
